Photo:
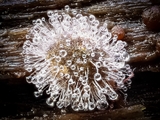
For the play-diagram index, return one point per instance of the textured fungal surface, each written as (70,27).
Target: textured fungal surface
(76,61)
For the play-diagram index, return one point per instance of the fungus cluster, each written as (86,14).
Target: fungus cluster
(76,61)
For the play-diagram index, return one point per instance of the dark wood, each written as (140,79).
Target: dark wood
(17,100)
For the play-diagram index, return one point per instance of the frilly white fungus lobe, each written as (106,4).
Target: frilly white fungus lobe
(75,59)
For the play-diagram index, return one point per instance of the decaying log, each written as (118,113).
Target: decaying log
(142,43)
(143,46)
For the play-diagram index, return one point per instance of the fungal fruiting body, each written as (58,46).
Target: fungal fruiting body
(76,61)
